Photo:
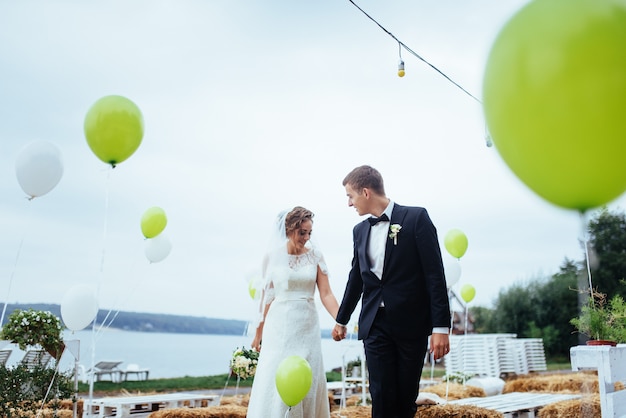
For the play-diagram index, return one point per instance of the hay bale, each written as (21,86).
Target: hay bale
(455,411)
(555,383)
(353,412)
(46,413)
(455,391)
(426,411)
(585,407)
(221,411)
(241,400)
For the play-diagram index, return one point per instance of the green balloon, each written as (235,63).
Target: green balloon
(293,379)
(251,289)
(455,242)
(114,129)
(468,292)
(153,222)
(554,94)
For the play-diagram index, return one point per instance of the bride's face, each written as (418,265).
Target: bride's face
(299,237)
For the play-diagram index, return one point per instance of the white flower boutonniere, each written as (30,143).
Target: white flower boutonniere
(393,232)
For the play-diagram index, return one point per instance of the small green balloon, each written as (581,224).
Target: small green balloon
(251,289)
(468,292)
(455,242)
(153,222)
(293,379)
(113,129)
(554,94)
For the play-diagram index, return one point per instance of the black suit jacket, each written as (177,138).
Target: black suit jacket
(413,285)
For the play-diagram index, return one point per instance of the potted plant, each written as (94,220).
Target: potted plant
(604,322)
(32,327)
(353,368)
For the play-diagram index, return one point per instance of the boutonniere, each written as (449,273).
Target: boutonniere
(393,232)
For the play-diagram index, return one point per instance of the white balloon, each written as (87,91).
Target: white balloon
(157,248)
(79,307)
(39,168)
(452,269)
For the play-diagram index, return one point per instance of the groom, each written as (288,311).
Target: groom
(398,270)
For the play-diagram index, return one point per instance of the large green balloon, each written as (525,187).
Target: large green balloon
(293,379)
(153,222)
(554,97)
(114,129)
(455,242)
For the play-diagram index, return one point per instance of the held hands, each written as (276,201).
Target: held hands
(439,345)
(339,332)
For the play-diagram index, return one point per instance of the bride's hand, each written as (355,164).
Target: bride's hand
(256,344)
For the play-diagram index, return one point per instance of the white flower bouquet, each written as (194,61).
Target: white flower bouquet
(244,361)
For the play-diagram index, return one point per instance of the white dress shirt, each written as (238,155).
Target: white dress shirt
(378,242)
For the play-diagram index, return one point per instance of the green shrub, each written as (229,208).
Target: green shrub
(22,390)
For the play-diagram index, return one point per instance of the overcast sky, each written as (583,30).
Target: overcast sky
(252,107)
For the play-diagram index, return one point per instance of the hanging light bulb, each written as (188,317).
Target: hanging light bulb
(401,68)
(488,140)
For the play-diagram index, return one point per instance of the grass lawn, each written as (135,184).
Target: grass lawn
(220,381)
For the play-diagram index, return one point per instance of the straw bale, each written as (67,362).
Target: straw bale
(455,391)
(221,411)
(241,400)
(353,412)
(585,407)
(68,404)
(455,411)
(561,383)
(47,413)
(427,411)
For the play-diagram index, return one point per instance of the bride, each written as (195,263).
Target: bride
(289,324)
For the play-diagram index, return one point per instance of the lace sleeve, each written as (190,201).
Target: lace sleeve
(321,262)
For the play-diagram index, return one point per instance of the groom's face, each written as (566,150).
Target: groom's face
(357,200)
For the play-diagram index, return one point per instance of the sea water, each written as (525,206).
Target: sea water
(168,355)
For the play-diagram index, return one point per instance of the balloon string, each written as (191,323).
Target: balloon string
(102,257)
(226,384)
(585,242)
(287,412)
(120,302)
(17,258)
(6,301)
(45,398)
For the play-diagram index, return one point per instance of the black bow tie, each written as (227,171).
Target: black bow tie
(373,221)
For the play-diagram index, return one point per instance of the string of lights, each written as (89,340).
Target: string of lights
(401,45)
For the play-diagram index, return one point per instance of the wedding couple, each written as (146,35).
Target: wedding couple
(397,273)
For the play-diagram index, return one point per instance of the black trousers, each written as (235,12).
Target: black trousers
(395,366)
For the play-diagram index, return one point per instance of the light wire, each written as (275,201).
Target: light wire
(403,45)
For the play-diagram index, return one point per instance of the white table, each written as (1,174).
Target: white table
(610,362)
(126,406)
(516,404)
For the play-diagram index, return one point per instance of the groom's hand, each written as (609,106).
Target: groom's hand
(339,332)
(439,345)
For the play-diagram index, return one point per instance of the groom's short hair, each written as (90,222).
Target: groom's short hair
(365,177)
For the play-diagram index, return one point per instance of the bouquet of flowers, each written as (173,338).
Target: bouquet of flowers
(244,362)
(31,327)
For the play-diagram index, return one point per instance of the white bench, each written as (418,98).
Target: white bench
(127,406)
(610,362)
(516,404)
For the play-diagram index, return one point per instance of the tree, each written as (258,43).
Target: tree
(541,308)
(607,243)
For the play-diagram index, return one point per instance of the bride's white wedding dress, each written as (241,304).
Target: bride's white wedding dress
(291,329)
